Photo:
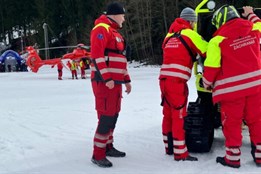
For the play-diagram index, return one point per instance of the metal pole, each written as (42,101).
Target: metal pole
(51,48)
(22,42)
(46,40)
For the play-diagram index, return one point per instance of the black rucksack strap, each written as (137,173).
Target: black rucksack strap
(107,50)
(178,35)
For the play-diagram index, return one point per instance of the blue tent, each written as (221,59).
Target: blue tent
(12,54)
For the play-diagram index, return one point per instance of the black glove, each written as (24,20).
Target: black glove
(201,83)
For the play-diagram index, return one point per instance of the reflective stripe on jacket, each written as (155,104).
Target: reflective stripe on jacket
(233,65)
(114,65)
(177,62)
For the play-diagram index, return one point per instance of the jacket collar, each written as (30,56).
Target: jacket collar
(105,19)
(178,25)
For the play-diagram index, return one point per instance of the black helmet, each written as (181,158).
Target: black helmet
(224,14)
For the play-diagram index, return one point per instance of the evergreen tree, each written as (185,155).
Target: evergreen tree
(71,21)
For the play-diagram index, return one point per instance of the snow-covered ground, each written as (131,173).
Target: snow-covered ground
(47,127)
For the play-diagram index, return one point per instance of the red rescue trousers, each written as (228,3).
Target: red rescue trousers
(174,96)
(233,112)
(60,74)
(74,74)
(108,106)
(82,72)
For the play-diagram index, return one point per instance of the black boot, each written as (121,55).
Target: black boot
(222,161)
(253,150)
(102,163)
(188,158)
(112,152)
(258,164)
(169,150)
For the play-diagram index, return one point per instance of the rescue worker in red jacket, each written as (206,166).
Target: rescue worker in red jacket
(73,66)
(59,69)
(83,67)
(108,73)
(180,48)
(233,69)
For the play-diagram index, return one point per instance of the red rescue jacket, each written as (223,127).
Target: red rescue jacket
(233,65)
(107,45)
(177,62)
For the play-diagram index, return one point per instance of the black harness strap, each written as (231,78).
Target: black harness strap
(178,35)
(107,50)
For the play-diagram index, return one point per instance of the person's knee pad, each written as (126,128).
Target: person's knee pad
(114,121)
(105,124)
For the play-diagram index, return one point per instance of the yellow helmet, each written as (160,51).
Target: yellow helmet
(224,14)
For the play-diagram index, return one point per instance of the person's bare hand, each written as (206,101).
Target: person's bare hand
(110,84)
(207,87)
(128,88)
(247,10)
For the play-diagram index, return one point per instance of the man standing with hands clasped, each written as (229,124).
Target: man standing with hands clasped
(108,73)
(233,70)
